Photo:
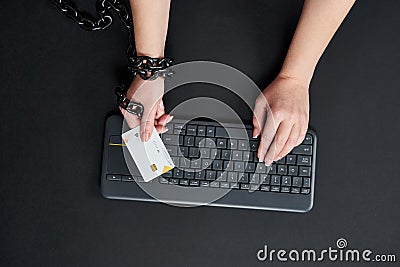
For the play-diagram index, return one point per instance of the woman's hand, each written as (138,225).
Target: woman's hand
(288,102)
(149,94)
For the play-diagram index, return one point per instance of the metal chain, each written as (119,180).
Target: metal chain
(103,19)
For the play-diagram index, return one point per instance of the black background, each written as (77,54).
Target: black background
(57,85)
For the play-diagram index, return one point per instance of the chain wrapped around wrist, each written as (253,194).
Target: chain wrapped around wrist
(149,68)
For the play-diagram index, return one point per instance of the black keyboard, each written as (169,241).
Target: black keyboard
(206,154)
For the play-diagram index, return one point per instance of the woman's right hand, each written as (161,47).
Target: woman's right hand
(149,94)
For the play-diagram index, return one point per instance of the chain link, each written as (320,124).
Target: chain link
(103,19)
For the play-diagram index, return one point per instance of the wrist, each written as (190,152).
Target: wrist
(153,53)
(303,78)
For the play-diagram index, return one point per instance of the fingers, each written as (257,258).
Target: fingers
(160,110)
(267,137)
(291,142)
(281,136)
(147,122)
(164,119)
(259,115)
(161,129)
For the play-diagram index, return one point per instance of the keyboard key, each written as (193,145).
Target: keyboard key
(291,159)
(302,150)
(272,169)
(282,169)
(113,177)
(205,153)
(191,129)
(184,163)
(286,180)
(247,156)
(168,174)
(239,166)
(308,140)
(295,190)
(253,145)
(304,160)
(255,179)
(297,181)
(222,176)
(261,168)
(170,139)
(234,185)
(183,182)
(200,175)
(173,181)
(221,132)
(211,175)
(201,130)
(163,180)
(243,145)
(179,126)
(254,187)
(305,171)
(177,173)
(224,185)
(244,186)
(194,152)
(275,180)
(275,189)
(232,177)
(215,153)
(214,184)
(232,144)
(228,165)
(306,182)
(293,170)
(195,164)
(244,178)
(285,189)
(221,143)
(194,183)
(265,178)
(184,150)
(172,150)
(265,188)
(250,167)
(188,141)
(204,183)
(237,155)
(226,154)
(128,178)
(305,191)
(210,131)
(217,165)
(210,142)
(205,163)
(188,174)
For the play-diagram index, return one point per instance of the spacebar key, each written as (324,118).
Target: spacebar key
(170,139)
(238,133)
(302,150)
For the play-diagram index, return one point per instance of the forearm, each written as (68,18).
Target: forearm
(319,21)
(150,22)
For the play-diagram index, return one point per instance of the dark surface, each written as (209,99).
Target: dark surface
(56,89)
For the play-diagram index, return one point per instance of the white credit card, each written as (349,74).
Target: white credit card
(152,158)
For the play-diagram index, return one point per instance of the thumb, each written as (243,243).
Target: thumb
(259,115)
(147,122)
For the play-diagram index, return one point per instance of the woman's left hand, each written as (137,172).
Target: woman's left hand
(288,100)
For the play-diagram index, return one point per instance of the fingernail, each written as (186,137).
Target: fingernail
(268,162)
(255,136)
(166,130)
(170,118)
(147,136)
